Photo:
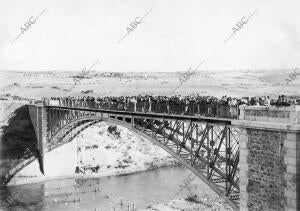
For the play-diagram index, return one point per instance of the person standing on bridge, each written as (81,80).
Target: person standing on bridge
(134,101)
(150,103)
(267,101)
(233,108)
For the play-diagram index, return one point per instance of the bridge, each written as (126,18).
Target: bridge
(252,161)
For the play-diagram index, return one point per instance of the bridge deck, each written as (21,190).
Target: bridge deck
(166,116)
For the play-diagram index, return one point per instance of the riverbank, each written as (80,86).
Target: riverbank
(33,179)
(203,204)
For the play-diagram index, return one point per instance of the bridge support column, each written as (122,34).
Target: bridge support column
(39,118)
(292,174)
(269,158)
(244,168)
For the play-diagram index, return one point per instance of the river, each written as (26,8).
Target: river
(127,192)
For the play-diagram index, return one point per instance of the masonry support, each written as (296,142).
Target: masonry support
(39,118)
(269,158)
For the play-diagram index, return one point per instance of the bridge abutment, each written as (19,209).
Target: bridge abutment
(269,158)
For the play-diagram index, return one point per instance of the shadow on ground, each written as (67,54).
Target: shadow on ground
(25,197)
(18,140)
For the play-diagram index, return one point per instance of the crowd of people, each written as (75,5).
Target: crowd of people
(177,104)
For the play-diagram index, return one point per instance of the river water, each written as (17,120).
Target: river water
(128,192)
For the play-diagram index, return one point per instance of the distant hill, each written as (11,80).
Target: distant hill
(231,82)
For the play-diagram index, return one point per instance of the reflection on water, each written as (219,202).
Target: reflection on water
(109,193)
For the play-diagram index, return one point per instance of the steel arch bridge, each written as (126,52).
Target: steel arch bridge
(208,146)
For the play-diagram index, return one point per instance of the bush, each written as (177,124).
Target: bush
(114,131)
(193,198)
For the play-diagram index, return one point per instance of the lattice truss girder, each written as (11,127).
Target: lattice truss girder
(60,119)
(212,149)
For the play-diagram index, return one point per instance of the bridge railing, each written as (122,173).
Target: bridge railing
(206,110)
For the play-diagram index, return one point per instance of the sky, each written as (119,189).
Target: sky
(175,35)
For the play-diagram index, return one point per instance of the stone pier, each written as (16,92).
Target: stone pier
(39,118)
(269,158)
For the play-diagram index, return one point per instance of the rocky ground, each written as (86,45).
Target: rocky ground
(191,204)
